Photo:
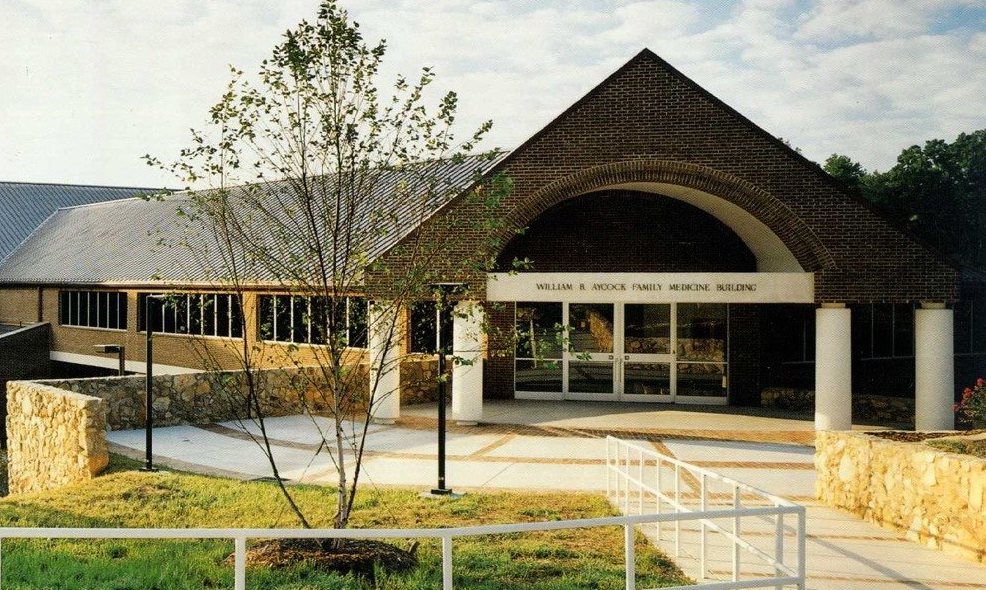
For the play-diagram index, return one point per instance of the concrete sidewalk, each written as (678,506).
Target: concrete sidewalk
(844,552)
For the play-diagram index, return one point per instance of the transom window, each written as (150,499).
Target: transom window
(310,320)
(93,309)
(194,314)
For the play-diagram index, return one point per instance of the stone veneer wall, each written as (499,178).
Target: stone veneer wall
(877,408)
(936,498)
(56,437)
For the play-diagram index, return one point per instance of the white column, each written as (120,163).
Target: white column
(467,377)
(833,367)
(934,368)
(384,340)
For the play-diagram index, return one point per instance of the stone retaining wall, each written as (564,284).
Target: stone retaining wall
(936,498)
(880,409)
(202,398)
(56,437)
(57,428)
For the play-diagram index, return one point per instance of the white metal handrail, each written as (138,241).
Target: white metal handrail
(637,479)
(240,536)
(783,574)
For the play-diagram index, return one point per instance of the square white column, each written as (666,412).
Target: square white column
(467,368)
(833,367)
(384,339)
(934,367)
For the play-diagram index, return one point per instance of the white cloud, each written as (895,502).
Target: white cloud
(90,86)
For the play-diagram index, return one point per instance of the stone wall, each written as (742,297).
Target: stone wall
(935,498)
(879,409)
(202,398)
(56,437)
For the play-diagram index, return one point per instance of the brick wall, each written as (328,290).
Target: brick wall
(648,123)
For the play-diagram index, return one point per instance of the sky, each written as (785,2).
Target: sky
(89,86)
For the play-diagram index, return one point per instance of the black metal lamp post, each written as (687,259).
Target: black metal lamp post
(442,290)
(148,386)
(117,348)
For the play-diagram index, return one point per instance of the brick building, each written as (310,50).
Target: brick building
(677,253)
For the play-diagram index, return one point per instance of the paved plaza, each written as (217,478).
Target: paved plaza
(560,446)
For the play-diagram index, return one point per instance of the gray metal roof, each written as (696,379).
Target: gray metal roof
(24,205)
(148,241)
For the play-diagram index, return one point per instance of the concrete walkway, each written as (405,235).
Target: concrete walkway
(550,447)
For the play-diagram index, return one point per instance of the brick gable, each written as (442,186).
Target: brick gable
(649,123)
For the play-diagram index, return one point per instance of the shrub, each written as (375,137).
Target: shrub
(971,409)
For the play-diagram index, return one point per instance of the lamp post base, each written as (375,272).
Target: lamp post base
(436,493)
(149,469)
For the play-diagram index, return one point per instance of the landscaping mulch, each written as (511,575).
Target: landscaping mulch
(360,557)
(903,436)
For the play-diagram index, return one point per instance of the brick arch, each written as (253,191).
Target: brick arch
(804,245)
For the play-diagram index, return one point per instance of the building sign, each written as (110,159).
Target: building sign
(731,287)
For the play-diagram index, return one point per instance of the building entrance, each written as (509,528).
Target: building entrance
(644,352)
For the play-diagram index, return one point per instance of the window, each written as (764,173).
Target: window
(538,354)
(702,338)
(423,319)
(195,314)
(311,320)
(970,325)
(884,330)
(93,309)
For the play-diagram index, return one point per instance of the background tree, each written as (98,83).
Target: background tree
(938,191)
(309,173)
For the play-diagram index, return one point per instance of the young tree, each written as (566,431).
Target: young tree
(310,173)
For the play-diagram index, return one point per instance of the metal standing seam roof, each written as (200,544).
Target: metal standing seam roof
(24,205)
(147,241)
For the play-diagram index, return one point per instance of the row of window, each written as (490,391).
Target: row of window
(885,330)
(313,320)
(282,318)
(93,309)
(196,314)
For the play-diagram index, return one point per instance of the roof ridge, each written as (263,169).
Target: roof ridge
(113,186)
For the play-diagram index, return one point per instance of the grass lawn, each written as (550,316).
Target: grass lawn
(125,497)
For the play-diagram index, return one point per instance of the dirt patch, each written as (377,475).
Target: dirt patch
(356,556)
(903,436)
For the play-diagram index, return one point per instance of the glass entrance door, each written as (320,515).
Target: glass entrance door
(630,352)
(646,357)
(591,359)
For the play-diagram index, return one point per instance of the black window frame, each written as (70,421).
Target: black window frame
(278,316)
(95,309)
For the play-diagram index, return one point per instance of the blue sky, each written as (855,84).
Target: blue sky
(90,86)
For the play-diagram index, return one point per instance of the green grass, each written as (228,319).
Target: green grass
(976,448)
(124,497)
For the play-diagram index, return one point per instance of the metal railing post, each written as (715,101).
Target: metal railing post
(626,472)
(609,449)
(779,547)
(239,567)
(658,496)
(737,504)
(447,562)
(677,508)
(802,547)
(640,478)
(630,557)
(702,533)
